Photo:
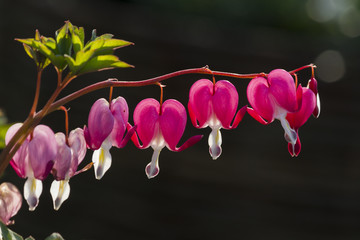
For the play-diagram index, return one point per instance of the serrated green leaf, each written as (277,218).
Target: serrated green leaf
(77,36)
(103,62)
(63,40)
(71,63)
(50,43)
(77,43)
(81,34)
(8,234)
(54,236)
(32,48)
(106,46)
(96,44)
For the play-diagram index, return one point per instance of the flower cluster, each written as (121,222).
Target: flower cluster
(159,124)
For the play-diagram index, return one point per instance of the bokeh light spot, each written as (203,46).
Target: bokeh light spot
(330,66)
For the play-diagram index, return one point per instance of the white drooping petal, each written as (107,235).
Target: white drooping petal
(60,191)
(32,191)
(215,141)
(152,169)
(290,134)
(318,104)
(102,160)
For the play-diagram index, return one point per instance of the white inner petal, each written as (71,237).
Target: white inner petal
(60,191)
(215,141)
(290,134)
(102,161)
(32,191)
(152,169)
(318,104)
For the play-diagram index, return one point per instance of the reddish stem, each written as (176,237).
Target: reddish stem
(110,94)
(37,93)
(161,96)
(312,66)
(66,124)
(115,83)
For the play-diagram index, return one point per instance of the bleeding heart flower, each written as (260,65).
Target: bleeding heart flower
(297,119)
(214,105)
(107,124)
(10,202)
(33,160)
(159,126)
(273,98)
(70,155)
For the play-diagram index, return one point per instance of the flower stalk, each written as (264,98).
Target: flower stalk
(52,105)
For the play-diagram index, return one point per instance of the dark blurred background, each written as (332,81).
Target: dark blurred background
(255,190)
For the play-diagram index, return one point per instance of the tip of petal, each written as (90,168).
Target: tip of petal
(215,152)
(151,171)
(32,202)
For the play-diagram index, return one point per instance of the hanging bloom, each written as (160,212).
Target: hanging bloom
(106,127)
(33,160)
(312,85)
(70,155)
(159,126)
(10,202)
(214,105)
(297,119)
(273,98)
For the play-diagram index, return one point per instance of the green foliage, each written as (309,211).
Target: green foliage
(68,49)
(54,236)
(3,128)
(7,234)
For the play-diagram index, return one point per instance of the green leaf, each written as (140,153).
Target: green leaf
(54,236)
(63,40)
(71,63)
(50,43)
(7,234)
(77,43)
(106,36)
(3,130)
(32,48)
(30,52)
(93,35)
(103,62)
(30,238)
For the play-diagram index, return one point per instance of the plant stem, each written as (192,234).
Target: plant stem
(37,92)
(112,82)
(312,66)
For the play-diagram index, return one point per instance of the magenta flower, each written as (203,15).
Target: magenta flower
(70,155)
(214,105)
(297,119)
(273,98)
(106,128)
(10,202)
(33,160)
(159,126)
